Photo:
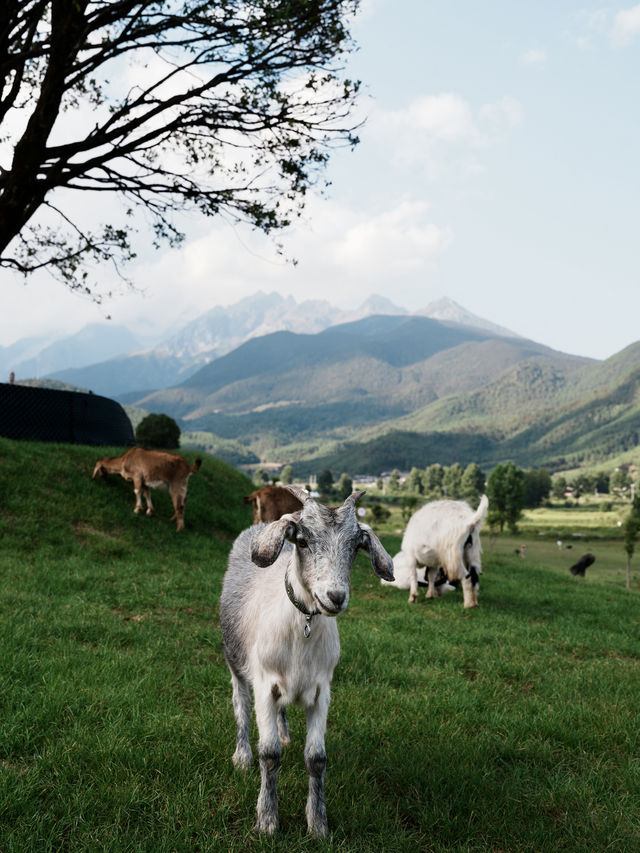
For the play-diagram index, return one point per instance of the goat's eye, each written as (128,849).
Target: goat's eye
(302,543)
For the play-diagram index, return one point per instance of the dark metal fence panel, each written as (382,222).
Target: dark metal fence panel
(45,414)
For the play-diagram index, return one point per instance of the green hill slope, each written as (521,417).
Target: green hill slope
(95,519)
(536,414)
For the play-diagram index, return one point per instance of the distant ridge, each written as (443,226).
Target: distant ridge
(372,389)
(219,331)
(292,394)
(448,311)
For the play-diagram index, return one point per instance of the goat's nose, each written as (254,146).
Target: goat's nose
(336,596)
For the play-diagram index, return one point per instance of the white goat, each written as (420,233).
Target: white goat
(444,538)
(280,635)
(152,469)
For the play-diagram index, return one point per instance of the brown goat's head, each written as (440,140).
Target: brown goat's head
(99,470)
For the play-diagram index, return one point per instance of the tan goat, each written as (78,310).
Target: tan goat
(271,502)
(152,469)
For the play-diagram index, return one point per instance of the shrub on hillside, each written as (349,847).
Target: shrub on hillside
(158,431)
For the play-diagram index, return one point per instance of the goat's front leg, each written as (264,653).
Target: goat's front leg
(242,711)
(283,728)
(269,754)
(433,591)
(413,584)
(469,593)
(178,509)
(147,496)
(138,487)
(315,759)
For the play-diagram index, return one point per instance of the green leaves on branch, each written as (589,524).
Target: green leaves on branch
(224,108)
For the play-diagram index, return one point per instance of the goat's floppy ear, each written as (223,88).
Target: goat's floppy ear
(267,542)
(381,561)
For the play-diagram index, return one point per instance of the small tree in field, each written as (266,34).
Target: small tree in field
(286,475)
(408,504)
(559,487)
(505,490)
(414,481)
(325,482)
(472,484)
(344,486)
(432,481)
(379,514)
(393,483)
(631,530)
(158,431)
(537,487)
(452,481)
(260,477)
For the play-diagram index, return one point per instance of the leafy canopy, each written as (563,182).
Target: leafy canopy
(225,108)
(158,431)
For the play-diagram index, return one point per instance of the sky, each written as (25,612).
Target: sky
(499,166)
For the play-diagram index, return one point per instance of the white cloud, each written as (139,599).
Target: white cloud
(396,242)
(534,57)
(500,116)
(626,25)
(442,118)
(443,132)
(343,256)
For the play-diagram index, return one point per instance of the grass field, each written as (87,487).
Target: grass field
(513,727)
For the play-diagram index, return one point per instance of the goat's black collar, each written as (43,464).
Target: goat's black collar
(300,605)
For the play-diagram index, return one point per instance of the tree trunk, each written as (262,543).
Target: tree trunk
(628,571)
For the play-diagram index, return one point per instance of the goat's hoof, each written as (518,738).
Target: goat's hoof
(267,823)
(242,759)
(413,599)
(318,827)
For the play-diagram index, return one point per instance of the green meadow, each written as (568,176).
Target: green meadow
(512,727)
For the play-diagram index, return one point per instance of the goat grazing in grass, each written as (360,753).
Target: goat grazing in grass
(271,502)
(444,538)
(284,584)
(583,563)
(152,469)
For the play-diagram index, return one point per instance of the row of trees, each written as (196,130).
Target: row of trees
(509,488)
(438,481)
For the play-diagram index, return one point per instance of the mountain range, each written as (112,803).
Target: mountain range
(274,380)
(112,359)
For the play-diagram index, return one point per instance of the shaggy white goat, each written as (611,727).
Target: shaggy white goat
(443,535)
(152,469)
(284,584)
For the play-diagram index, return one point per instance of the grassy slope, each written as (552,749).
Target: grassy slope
(535,414)
(511,727)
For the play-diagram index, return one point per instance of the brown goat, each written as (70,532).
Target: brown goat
(271,502)
(152,469)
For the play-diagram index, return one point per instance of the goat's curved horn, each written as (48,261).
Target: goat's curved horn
(299,491)
(354,497)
